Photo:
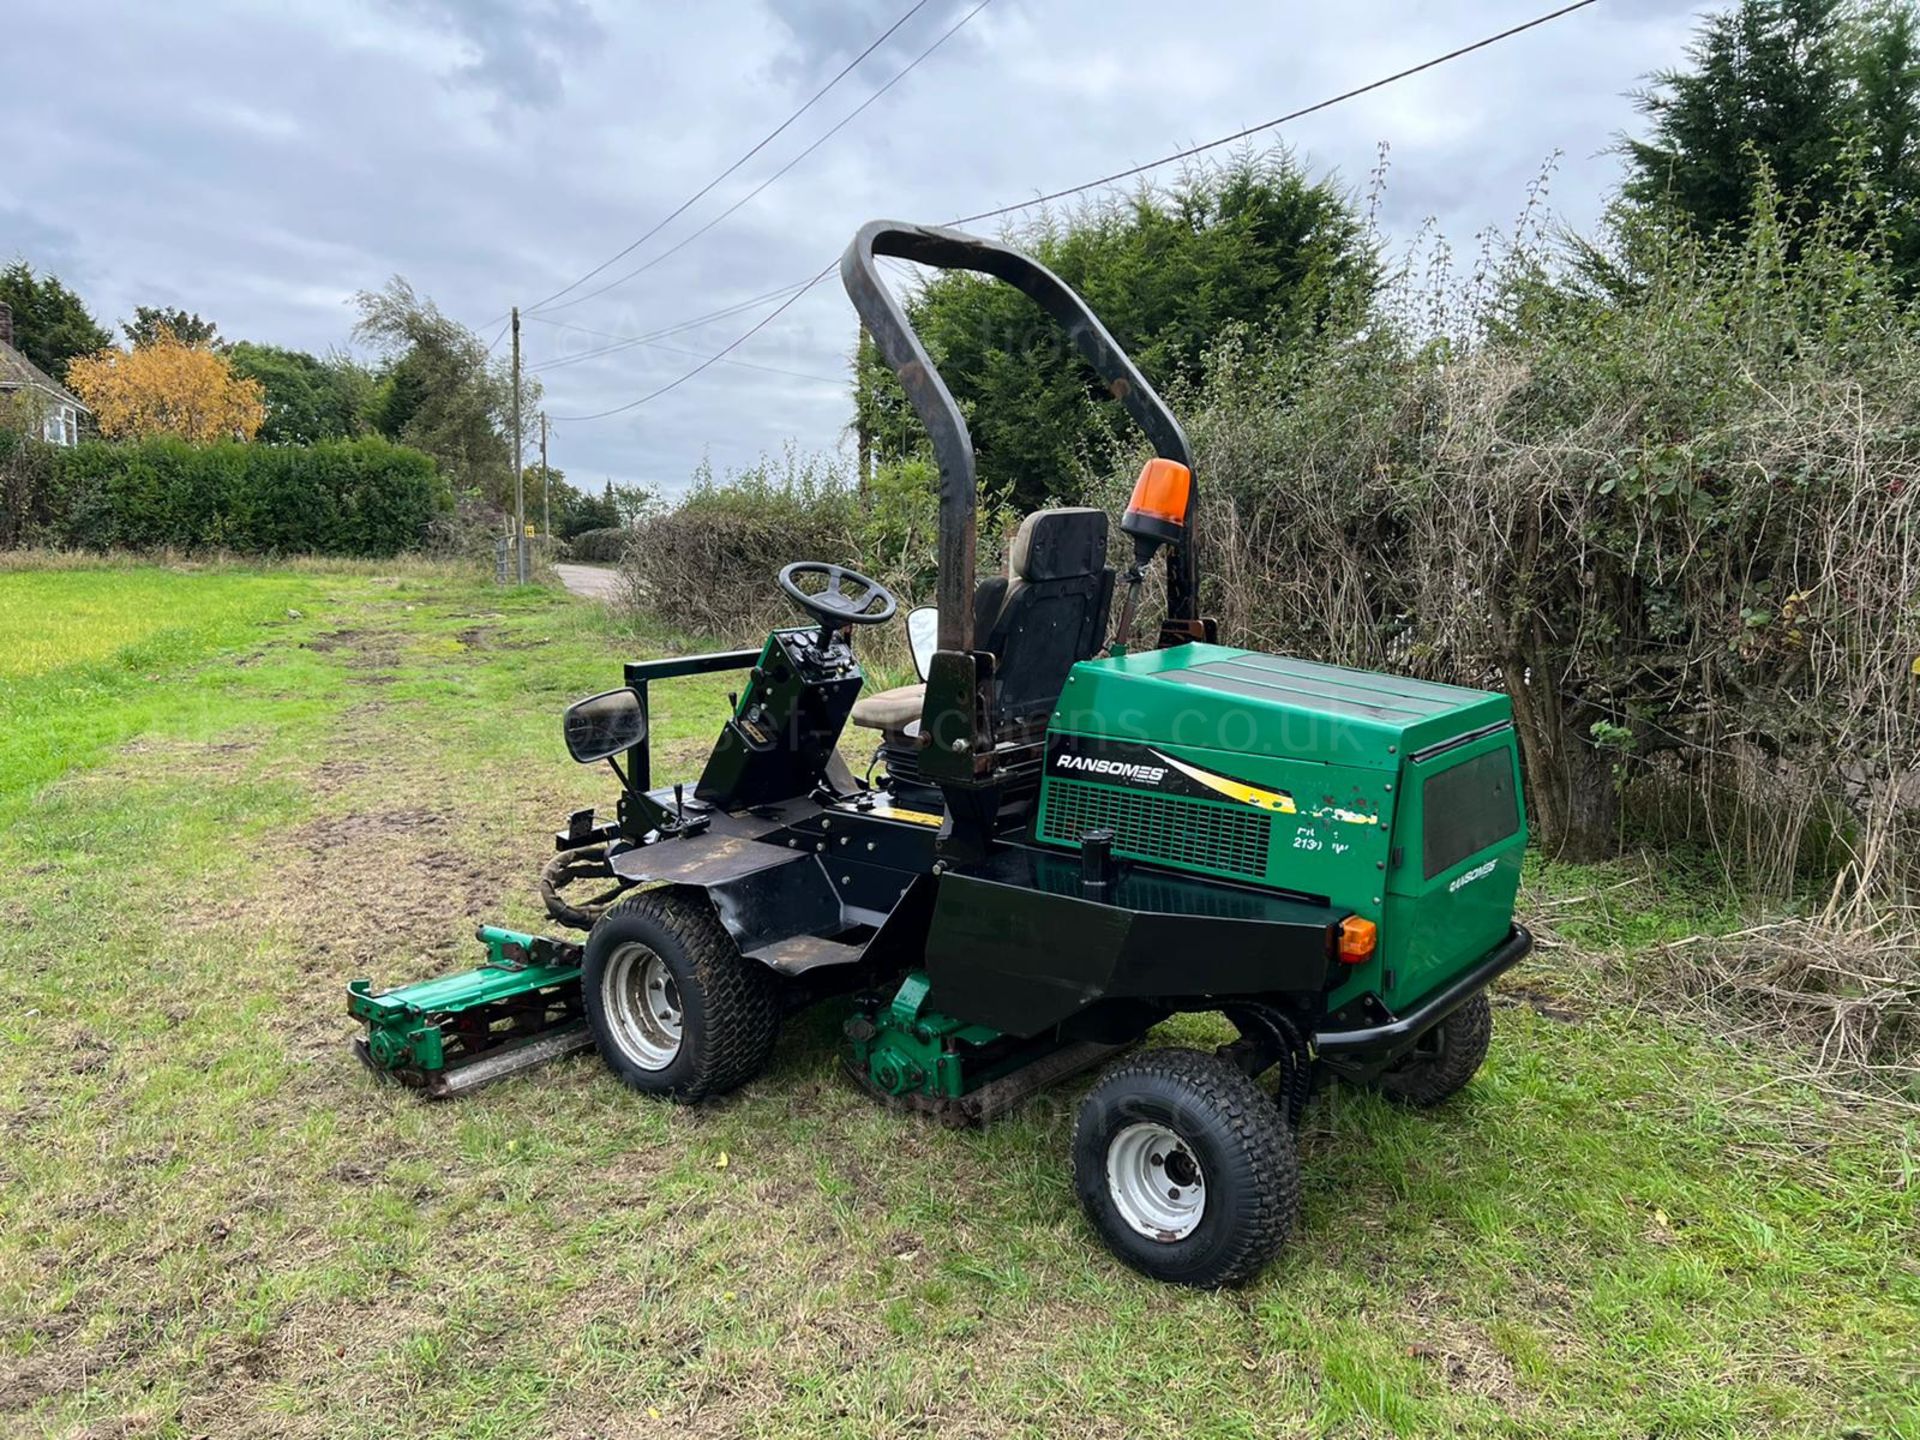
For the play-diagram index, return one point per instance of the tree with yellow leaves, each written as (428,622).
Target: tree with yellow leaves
(165,387)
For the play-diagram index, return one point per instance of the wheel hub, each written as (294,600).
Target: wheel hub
(643,1005)
(1156,1181)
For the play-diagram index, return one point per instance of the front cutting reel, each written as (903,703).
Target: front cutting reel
(447,1036)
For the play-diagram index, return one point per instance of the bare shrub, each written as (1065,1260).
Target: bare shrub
(1677,524)
(1668,504)
(471,530)
(1842,989)
(707,565)
(28,475)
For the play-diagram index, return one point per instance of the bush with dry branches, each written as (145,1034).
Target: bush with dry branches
(1678,525)
(707,564)
(1670,503)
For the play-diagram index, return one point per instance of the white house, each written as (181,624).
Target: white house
(60,409)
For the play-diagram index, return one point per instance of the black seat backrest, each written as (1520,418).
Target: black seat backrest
(1047,613)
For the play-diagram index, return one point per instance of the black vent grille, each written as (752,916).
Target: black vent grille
(1172,830)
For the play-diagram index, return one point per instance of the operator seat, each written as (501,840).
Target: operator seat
(1047,613)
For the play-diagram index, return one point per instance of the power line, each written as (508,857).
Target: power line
(697,355)
(1345,95)
(1326,104)
(713,359)
(626,342)
(838,126)
(762,144)
(767,369)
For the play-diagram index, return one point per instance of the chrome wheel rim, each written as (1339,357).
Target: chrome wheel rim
(1156,1182)
(642,1005)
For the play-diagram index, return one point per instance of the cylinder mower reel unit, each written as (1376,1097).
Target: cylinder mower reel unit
(447,1036)
(1062,841)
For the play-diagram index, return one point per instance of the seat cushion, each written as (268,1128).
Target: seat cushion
(893,709)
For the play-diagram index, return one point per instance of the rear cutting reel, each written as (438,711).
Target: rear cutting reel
(454,1034)
(902,1052)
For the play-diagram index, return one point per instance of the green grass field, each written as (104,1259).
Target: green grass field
(227,792)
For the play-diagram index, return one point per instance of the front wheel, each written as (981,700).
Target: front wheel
(1446,1057)
(1186,1168)
(674,1007)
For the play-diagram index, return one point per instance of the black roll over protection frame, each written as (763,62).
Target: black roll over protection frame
(957,740)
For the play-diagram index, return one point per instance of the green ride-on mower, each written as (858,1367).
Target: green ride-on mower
(1071,839)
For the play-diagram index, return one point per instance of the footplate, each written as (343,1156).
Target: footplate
(520,1009)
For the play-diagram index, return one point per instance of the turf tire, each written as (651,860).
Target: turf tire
(730,1006)
(1241,1141)
(1447,1057)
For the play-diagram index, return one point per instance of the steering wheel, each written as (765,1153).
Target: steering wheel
(847,598)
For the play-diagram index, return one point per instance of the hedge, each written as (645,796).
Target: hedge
(606,546)
(341,497)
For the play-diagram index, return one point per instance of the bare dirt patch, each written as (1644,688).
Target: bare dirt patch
(495,637)
(360,650)
(372,884)
(1464,1353)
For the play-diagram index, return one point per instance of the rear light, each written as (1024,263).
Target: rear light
(1357,939)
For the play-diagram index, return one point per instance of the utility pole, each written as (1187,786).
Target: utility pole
(519,481)
(546,486)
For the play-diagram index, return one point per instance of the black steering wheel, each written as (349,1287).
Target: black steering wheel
(847,597)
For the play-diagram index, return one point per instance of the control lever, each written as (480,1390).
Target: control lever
(684,828)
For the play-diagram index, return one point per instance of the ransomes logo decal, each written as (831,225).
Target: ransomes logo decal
(1117,762)
(1113,769)
(1479,872)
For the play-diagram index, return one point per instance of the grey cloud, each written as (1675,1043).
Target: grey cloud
(519,48)
(828,33)
(47,247)
(327,153)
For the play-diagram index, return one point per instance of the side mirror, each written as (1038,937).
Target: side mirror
(601,726)
(923,636)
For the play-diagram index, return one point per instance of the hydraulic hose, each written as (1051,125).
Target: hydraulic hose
(589,862)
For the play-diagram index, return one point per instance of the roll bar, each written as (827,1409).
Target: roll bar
(900,347)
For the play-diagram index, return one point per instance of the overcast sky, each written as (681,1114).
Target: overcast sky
(259,163)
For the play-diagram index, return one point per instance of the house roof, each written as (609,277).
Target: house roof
(18,372)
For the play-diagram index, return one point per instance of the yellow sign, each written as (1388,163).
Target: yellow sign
(912,817)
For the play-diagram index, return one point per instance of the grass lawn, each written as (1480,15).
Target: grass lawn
(225,792)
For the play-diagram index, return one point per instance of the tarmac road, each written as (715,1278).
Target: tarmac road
(596,582)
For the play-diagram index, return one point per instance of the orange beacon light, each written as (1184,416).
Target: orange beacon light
(1156,516)
(1157,513)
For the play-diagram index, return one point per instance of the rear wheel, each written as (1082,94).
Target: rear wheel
(1186,1168)
(1446,1057)
(675,1009)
